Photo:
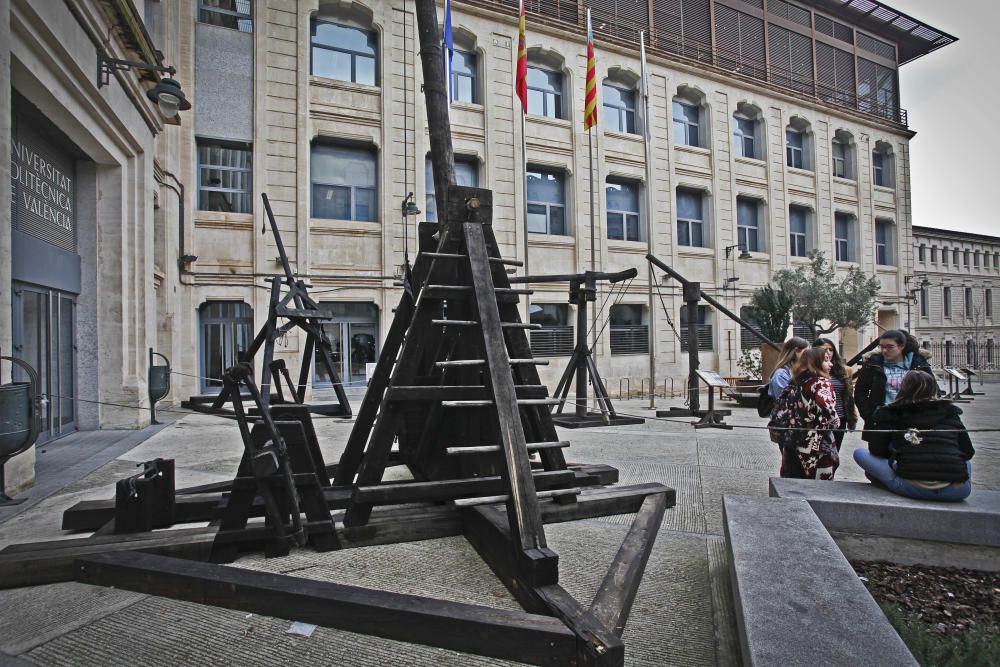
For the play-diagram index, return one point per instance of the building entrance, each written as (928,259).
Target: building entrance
(354,338)
(45,337)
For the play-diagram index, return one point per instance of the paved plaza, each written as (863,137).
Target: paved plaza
(683,614)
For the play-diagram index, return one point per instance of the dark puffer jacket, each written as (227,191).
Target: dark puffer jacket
(938,457)
(869,386)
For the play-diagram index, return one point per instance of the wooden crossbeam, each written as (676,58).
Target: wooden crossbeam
(498,633)
(490,449)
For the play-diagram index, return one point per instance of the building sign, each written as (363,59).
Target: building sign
(42,182)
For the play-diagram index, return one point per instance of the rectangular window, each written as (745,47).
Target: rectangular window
(956,256)
(619,109)
(545,92)
(968,256)
(546,202)
(744,138)
(686,124)
(466,173)
(344,53)
(235,14)
(797,228)
(747,224)
(844,237)
(988,302)
(793,149)
(883,243)
(839,159)
(690,219)
(947,302)
(344,183)
(629,334)
(924,299)
(225,177)
(703,327)
(968,303)
(623,210)
(934,254)
(464,77)
(922,253)
(975,260)
(555,338)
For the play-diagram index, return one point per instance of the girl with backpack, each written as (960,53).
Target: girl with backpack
(928,451)
(843,389)
(805,417)
(780,376)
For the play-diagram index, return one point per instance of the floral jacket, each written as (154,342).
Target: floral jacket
(811,405)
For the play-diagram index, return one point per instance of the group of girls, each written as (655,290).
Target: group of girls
(917,444)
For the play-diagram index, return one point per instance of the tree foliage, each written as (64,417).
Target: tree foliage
(772,308)
(819,294)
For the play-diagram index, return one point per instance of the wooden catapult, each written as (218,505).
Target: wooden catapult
(457,390)
(298,310)
(581,366)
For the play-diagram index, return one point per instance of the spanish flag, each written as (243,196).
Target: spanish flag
(521,81)
(590,105)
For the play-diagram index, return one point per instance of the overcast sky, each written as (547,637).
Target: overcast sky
(953,98)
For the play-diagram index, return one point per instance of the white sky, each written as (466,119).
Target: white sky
(953,98)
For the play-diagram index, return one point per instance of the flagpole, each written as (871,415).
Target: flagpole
(524,210)
(589,121)
(646,137)
(521,92)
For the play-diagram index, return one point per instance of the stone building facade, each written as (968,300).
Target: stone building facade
(774,127)
(956,289)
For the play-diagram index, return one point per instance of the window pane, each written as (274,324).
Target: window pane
(746,212)
(537,218)
(344,37)
(364,70)
(680,132)
(331,202)
(343,165)
(683,233)
(331,64)
(536,102)
(689,205)
(622,197)
(463,89)
(616,226)
(557,222)
(466,173)
(545,187)
(364,205)
(464,63)
(697,239)
(693,135)
(632,227)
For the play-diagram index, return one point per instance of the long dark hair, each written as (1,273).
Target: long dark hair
(839,369)
(788,350)
(917,386)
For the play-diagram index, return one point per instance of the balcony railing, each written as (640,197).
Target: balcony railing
(623,28)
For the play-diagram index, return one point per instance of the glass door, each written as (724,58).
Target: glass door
(45,337)
(226,331)
(353,335)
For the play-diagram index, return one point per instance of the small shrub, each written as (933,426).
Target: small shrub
(978,646)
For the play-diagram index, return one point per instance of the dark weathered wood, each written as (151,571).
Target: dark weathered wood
(475,629)
(459,392)
(409,492)
(526,524)
(437,103)
(613,602)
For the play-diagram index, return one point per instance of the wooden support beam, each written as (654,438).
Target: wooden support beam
(613,602)
(460,392)
(490,449)
(493,500)
(410,492)
(497,633)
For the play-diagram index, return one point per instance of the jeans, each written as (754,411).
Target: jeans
(881,470)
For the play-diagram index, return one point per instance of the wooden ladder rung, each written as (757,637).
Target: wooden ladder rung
(512,290)
(479,362)
(487,402)
(488,449)
(492,500)
(507,262)
(536,362)
(444,255)
(538,401)
(454,323)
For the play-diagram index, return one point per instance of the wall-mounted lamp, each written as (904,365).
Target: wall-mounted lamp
(744,253)
(410,206)
(167,93)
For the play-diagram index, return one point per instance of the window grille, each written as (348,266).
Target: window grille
(235,14)
(555,338)
(628,334)
(706,340)
(225,177)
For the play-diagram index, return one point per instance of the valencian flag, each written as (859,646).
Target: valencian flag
(521,80)
(590,105)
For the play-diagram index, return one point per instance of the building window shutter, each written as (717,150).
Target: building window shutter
(684,27)
(740,42)
(791,58)
(620,18)
(835,71)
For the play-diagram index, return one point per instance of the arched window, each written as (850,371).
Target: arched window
(344,45)
(546,85)
(798,144)
(748,132)
(842,153)
(883,168)
(689,118)
(465,86)
(619,100)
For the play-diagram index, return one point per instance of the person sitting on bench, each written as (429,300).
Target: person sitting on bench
(917,445)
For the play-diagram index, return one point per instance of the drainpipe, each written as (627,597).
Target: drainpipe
(183,258)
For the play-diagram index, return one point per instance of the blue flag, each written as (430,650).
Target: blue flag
(448,50)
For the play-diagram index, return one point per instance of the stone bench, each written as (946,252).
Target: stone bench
(861,508)
(797,599)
